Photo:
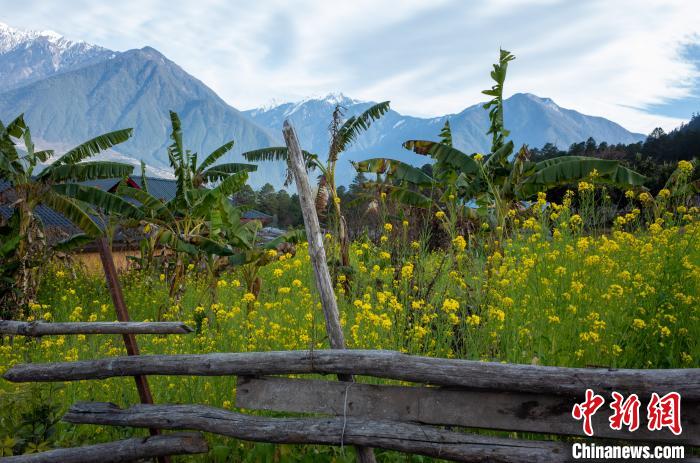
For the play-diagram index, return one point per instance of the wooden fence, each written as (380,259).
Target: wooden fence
(409,418)
(157,446)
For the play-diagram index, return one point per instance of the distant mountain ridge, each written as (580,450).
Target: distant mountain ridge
(532,120)
(71,91)
(135,89)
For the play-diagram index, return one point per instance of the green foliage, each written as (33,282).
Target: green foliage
(54,187)
(493,181)
(497,129)
(93,147)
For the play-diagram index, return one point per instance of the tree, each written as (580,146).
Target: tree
(591,146)
(246,197)
(267,199)
(58,188)
(284,205)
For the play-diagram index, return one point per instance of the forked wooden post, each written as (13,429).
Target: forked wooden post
(318,257)
(132,348)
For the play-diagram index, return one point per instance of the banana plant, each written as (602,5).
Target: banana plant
(494,181)
(57,187)
(190,176)
(344,133)
(184,223)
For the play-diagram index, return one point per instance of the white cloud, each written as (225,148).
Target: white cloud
(599,57)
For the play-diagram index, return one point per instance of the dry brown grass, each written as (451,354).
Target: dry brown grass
(93,264)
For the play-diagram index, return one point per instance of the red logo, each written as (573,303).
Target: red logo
(662,412)
(625,412)
(587,409)
(665,412)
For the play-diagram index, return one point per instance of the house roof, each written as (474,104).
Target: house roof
(252,214)
(161,188)
(56,225)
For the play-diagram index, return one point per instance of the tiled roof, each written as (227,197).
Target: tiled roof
(255,215)
(161,188)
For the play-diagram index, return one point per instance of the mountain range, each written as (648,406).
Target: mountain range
(71,91)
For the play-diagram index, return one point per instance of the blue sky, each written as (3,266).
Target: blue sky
(635,62)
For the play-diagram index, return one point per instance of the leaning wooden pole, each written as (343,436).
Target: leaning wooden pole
(318,257)
(132,348)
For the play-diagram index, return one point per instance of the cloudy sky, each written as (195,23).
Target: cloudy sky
(636,62)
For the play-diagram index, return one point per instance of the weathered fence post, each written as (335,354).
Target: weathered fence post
(318,257)
(132,348)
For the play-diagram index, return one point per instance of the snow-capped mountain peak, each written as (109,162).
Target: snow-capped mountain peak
(29,55)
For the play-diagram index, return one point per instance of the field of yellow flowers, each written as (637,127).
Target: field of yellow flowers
(545,293)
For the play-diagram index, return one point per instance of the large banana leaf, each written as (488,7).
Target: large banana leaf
(72,210)
(222,171)
(209,246)
(355,125)
(204,200)
(571,169)
(559,159)
(444,154)
(17,127)
(103,200)
(500,157)
(278,153)
(73,242)
(232,184)
(174,242)
(92,147)
(410,197)
(402,194)
(396,170)
(273,153)
(150,205)
(8,151)
(215,155)
(87,171)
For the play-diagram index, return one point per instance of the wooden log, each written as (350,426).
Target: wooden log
(36,329)
(120,451)
(132,348)
(508,411)
(313,234)
(392,435)
(317,253)
(382,364)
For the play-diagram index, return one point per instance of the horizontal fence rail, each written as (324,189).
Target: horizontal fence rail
(127,450)
(383,364)
(508,411)
(391,435)
(35,329)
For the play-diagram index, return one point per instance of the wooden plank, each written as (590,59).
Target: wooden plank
(317,253)
(37,328)
(120,451)
(392,435)
(382,364)
(441,406)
